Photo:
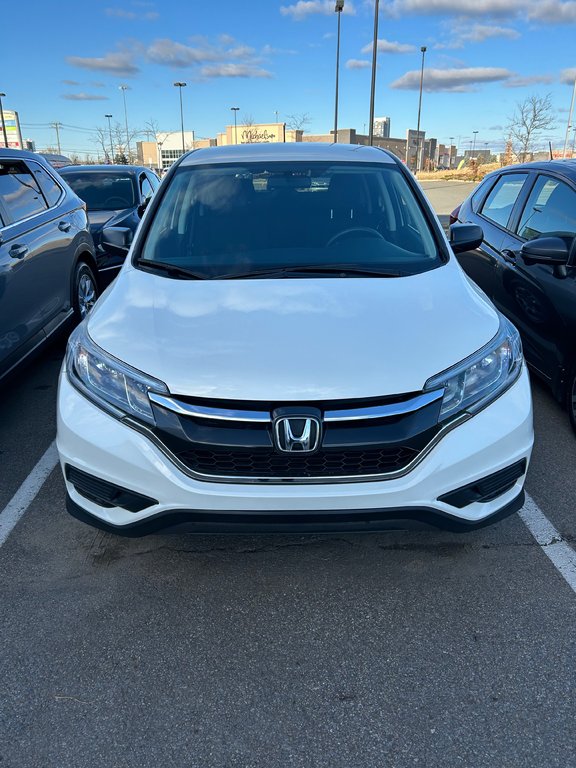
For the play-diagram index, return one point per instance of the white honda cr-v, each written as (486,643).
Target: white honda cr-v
(291,345)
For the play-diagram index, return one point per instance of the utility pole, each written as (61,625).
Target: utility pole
(373,83)
(339,7)
(423,51)
(3,123)
(57,127)
(474,142)
(450,152)
(180,86)
(111,143)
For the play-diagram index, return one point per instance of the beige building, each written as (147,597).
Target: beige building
(261,133)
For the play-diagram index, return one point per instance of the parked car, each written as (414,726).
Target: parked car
(47,260)
(115,196)
(527,262)
(293,346)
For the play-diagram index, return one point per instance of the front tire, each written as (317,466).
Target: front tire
(85,291)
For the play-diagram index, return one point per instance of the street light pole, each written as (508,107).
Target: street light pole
(373,83)
(423,51)
(180,86)
(3,123)
(124,88)
(474,143)
(569,120)
(110,133)
(450,152)
(235,110)
(339,7)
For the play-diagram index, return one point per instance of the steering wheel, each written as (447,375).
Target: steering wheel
(110,201)
(364,230)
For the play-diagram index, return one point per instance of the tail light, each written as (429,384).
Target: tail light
(454,215)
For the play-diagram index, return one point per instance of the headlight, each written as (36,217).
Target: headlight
(110,383)
(481,378)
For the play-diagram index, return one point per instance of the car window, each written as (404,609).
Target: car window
(51,190)
(103,190)
(154,181)
(477,196)
(224,219)
(502,198)
(551,208)
(146,187)
(19,191)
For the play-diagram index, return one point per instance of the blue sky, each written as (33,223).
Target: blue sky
(267,55)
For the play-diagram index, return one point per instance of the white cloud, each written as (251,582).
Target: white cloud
(357,64)
(548,11)
(121,64)
(568,76)
(461,32)
(84,97)
(233,70)
(526,82)
(452,80)
(169,53)
(304,8)
(121,13)
(388,46)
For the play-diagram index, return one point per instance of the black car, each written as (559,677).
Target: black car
(115,196)
(527,262)
(47,257)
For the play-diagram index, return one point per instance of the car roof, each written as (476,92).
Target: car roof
(20,154)
(133,169)
(292,151)
(565,167)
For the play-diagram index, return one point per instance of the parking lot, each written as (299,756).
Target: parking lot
(398,649)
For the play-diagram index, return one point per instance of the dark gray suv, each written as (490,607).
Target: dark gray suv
(47,263)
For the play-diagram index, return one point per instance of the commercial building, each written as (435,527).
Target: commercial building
(257,133)
(382,127)
(168,147)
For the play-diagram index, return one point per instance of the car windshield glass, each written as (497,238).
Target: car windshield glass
(103,190)
(230,220)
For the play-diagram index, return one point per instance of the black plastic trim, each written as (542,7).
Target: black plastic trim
(105,494)
(487,488)
(302,522)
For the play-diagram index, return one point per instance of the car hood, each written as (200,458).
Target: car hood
(293,339)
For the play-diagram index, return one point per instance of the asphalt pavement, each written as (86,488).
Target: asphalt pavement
(359,651)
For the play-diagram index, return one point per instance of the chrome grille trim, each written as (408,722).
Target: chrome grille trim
(264,417)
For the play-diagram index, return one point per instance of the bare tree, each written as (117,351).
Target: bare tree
(298,122)
(151,129)
(102,140)
(531,118)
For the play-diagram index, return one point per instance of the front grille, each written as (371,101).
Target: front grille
(325,463)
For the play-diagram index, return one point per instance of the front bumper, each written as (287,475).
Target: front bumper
(96,443)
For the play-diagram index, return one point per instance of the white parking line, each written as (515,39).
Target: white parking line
(553,545)
(24,496)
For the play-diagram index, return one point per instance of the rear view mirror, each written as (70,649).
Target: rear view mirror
(465,237)
(143,205)
(546,250)
(117,239)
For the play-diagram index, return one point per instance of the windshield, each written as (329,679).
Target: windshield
(230,220)
(103,190)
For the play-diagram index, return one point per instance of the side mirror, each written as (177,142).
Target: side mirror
(465,237)
(143,205)
(546,250)
(117,239)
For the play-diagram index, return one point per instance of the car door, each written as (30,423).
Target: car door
(494,212)
(536,297)
(35,290)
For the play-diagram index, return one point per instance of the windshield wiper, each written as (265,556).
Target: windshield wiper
(172,269)
(344,269)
